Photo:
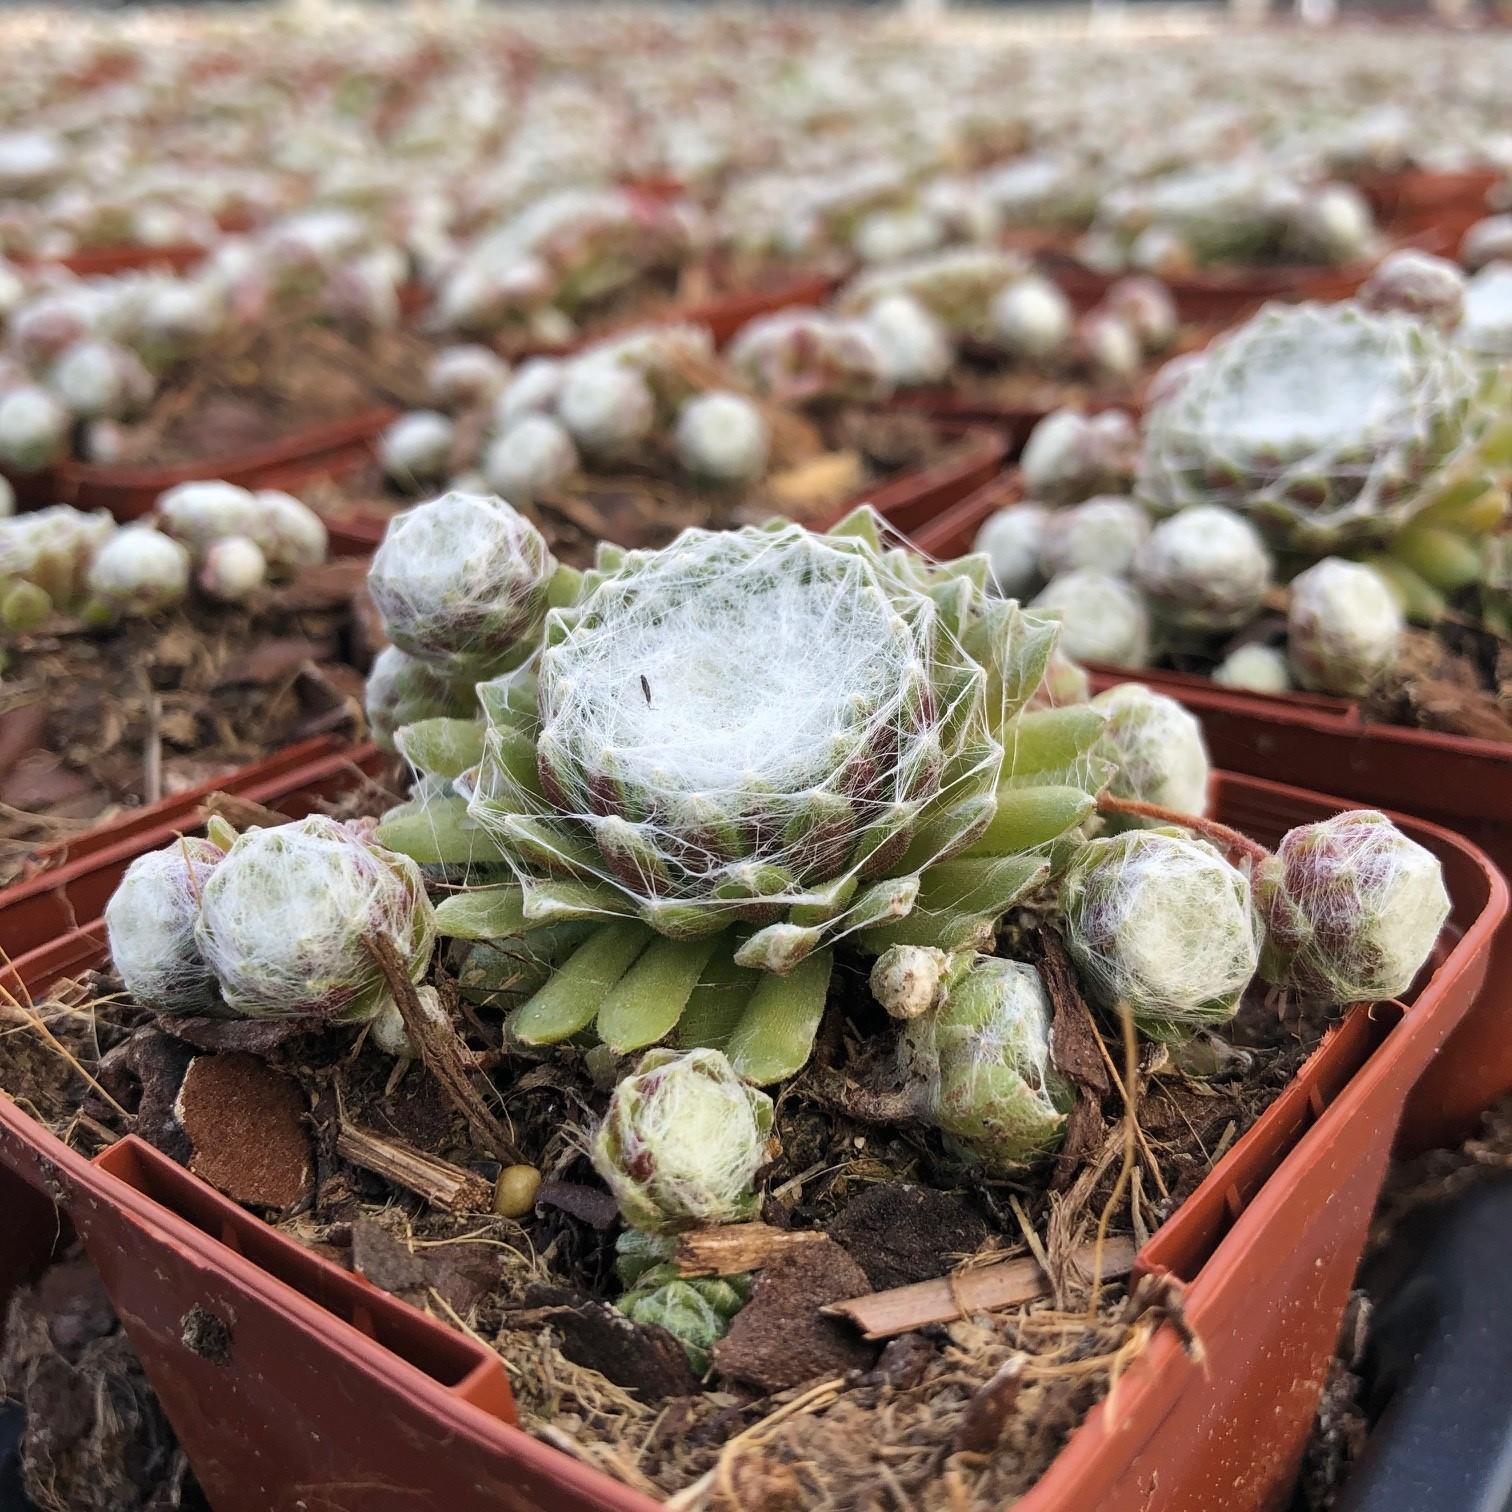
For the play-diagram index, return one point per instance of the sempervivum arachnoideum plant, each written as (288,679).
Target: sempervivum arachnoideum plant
(273,923)
(725,820)
(1334,428)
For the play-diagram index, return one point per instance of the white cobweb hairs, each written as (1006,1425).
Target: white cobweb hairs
(150,920)
(1322,422)
(284,922)
(461,582)
(1162,923)
(744,712)
(1156,749)
(1353,908)
(1102,618)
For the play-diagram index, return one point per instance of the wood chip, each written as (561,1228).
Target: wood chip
(881,1315)
(438,1181)
(737,1247)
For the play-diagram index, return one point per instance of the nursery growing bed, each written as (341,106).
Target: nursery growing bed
(288,398)
(1459,781)
(933,464)
(1266,1244)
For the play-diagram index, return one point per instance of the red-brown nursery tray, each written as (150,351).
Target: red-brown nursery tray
(296,1395)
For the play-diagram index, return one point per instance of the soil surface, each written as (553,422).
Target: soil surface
(798,1409)
(271,385)
(93,721)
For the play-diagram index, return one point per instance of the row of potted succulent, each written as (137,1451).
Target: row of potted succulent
(249,1304)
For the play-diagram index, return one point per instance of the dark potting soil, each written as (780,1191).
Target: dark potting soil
(95,721)
(799,1410)
(271,384)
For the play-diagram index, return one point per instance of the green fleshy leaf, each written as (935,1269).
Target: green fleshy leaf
(1049,740)
(775,1035)
(568,1003)
(482,913)
(559,899)
(1029,817)
(864,524)
(779,947)
(441,747)
(716,1003)
(437,832)
(646,1003)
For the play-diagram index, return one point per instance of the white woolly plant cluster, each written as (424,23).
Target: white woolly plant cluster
(725,819)
(45,557)
(1324,424)
(461,583)
(1155,748)
(682,1141)
(1102,534)
(270,924)
(238,537)
(810,356)
(1071,456)
(1164,924)
(980,1063)
(285,918)
(1343,628)
(1011,539)
(150,922)
(1102,618)
(1205,570)
(1353,908)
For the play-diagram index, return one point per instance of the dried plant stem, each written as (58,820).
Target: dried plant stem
(438,1181)
(1211,829)
(1130,1149)
(442,1053)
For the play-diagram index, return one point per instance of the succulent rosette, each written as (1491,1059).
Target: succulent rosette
(696,1311)
(724,820)
(682,1141)
(810,356)
(1161,922)
(982,1063)
(1352,909)
(461,582)
(1155,747)
(1205,570)
(285,919)
(1343,628)
(1326,425)
(150,922)
(959,288)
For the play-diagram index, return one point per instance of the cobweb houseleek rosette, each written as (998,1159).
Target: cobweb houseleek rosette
(735,753)
(1328,425)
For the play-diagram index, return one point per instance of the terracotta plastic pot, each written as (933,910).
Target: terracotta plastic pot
(293,1392)
(1422,199)
(120,257)
(1316,741)
(129,492)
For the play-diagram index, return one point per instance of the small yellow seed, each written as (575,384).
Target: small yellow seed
(515,1191)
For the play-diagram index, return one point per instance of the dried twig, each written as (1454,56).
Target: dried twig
(240,813)
(438,1181)
(442,1052)
(737,1247)
(881,1315)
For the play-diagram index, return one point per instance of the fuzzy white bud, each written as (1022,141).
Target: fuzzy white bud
(139,570)
(1343,628)
(417,447)
(1011,539)
(1255,669)
(723,437)
(1102,618)
(33,429)
(234,569)
(915,347)
(199,514)
(533,457)
(464,377)
(291,534)
(1031,319)
(608,409)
